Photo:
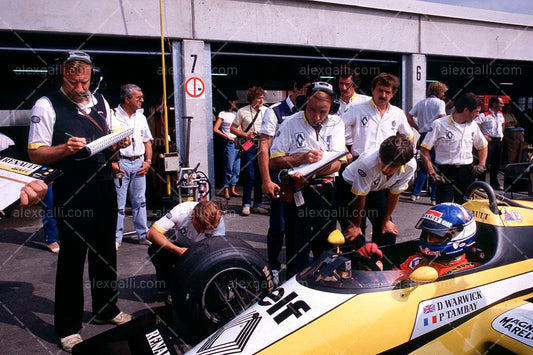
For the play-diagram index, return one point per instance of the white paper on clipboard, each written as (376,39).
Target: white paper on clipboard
(308,170)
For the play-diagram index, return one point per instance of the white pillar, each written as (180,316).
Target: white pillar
(192,83)
(416,79)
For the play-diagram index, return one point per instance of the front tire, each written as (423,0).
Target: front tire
(215,280)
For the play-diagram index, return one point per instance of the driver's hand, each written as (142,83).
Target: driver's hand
(371,251)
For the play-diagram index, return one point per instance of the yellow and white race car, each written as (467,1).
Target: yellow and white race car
(344,304)
(332,307)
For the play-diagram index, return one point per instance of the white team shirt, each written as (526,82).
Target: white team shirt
(453,141)
(270,123)
(426,111)
(227,120)
(364,174)
(43,119)
(180,218)
(141,131)
(296,135)
(245,116)
(369,129)
(355,99)
(491,123)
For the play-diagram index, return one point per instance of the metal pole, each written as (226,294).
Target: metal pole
(165,107)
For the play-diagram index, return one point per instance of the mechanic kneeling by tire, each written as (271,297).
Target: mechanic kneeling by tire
(192,221)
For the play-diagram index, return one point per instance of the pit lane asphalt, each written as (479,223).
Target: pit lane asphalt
(27,273)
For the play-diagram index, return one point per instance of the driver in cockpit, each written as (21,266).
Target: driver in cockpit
(448,231)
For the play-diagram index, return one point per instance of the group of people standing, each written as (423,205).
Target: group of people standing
(367,182)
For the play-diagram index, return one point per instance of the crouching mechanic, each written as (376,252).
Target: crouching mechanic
(448,231)
(192,222)
(387,171)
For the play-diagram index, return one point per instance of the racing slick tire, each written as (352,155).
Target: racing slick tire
(216,279)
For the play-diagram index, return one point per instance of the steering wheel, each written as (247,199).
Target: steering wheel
(493,203)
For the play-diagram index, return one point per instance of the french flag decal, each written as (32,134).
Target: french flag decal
(430,320)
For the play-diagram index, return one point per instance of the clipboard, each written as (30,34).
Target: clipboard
(15,174)
(308,170)
(102,143)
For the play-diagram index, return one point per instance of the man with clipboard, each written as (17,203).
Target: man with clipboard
(303,139)
(85,199)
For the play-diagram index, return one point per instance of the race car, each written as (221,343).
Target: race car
(332,307)
(344,303)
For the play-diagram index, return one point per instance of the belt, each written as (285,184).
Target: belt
(132,158)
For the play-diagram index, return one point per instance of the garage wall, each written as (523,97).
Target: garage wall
(389,25)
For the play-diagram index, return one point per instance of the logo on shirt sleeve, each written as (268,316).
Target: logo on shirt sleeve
(35,119)
(361,173)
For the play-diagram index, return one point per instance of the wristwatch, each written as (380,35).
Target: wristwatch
(149,160)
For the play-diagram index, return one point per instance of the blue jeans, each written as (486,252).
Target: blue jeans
(136,184)
(251,178)
(49,222)
(421,176)
(232,164)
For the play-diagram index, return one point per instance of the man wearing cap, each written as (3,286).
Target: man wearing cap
(85,199)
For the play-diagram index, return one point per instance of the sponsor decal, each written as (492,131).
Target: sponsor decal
(233,337)
(512,216)
(361,173)
(285,310)
(393,124)
(480,215)
(414,263)
(364,121)
(434,213)
(168,215)
(517,324)
(35,119)
(183,230)
(156,342)
(284,307)
(299,138)
(435,217)
(449,134)
(376,182)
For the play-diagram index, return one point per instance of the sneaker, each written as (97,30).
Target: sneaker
(260,210)
(433,203)
(117,245)
(68,342)
(414,197)
(245,211)
(119,319)
(275,277)
(145,242)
